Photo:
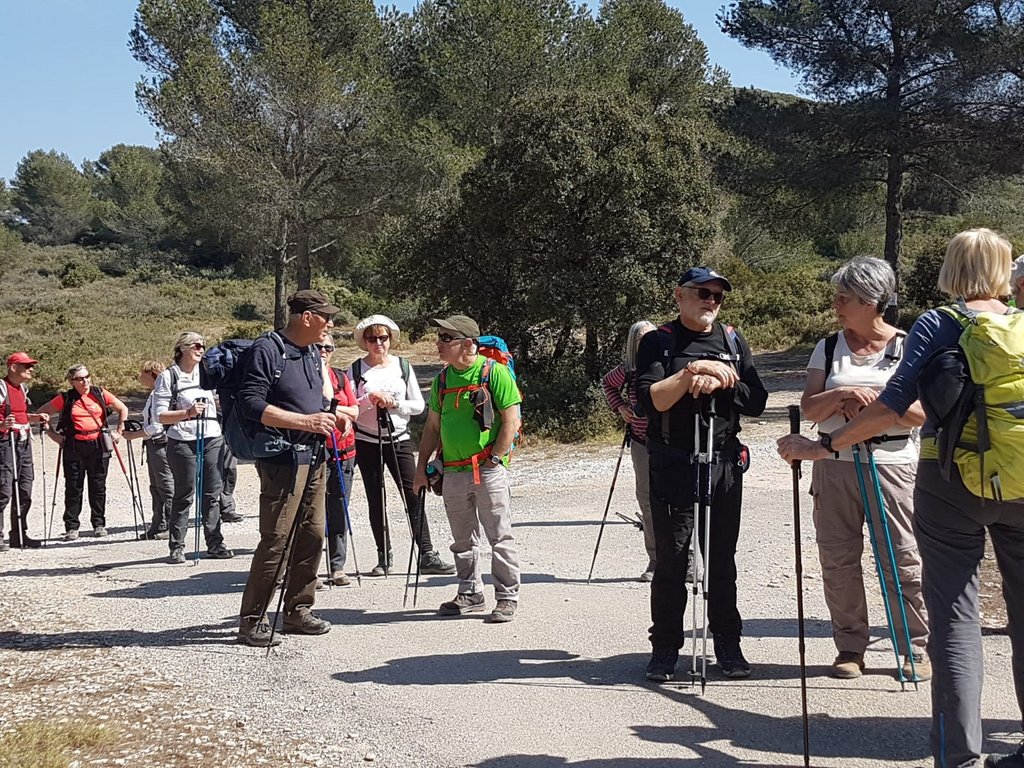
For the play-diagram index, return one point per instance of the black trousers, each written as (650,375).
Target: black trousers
(85,461)
(337,530)
(401,463)
(20,458)
(673,488)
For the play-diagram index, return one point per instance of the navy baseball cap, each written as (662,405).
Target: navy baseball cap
(701,275)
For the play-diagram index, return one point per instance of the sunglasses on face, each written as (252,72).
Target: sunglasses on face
(704,294)
(322,315)
(197,345)
(376,339)
(81,378)
(325,347)
(447,338)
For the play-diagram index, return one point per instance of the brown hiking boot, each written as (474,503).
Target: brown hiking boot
(922,667)
(256,632)
(305,622)
(464,602)
(848,665)
(504,611)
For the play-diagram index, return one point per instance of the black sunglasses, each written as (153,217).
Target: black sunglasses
(447,338)
(704,294)
(328,347)
(375,339)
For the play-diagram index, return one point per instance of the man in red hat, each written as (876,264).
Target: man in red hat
(16,468)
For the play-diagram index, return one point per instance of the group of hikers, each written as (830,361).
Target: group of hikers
(881,398)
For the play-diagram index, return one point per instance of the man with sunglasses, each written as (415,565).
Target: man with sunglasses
(284,396)
(476,489)
(16,448)
(696,367)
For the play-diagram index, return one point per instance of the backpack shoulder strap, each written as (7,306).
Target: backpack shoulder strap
(5,396)
(485,372)
(357,372)
(830,351)
(894,349)
(172,403)
(403,363)
(97,392)
(732,344)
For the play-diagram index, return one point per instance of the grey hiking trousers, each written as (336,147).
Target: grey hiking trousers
(950,523)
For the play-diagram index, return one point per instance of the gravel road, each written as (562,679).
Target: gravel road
(105,631)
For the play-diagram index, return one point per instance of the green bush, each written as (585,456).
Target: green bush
(561,403)
(77,272)
(920,281)
(248,330)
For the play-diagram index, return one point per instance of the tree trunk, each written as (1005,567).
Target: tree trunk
(280,309)
(894,223)
(303,268)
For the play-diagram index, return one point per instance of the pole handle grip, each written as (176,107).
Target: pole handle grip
(794,419)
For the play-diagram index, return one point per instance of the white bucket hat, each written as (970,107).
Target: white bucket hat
(366,322)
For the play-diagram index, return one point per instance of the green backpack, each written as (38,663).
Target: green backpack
(988,443)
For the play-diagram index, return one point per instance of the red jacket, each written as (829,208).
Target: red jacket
(345,395)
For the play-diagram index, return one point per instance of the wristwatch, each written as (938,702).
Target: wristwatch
(495,459)
(826,442)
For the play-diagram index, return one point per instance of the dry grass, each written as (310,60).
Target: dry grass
(47,744)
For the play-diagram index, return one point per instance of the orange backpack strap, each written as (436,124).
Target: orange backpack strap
(476,460)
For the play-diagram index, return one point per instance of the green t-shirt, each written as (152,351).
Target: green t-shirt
(461,437)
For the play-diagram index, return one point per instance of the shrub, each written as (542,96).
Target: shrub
(77,272)
(562,404)
(249,330)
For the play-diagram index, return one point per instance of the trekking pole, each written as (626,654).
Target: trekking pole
(56,482)
(423,515)
(133,483)
(17,492)
(344,506)
(705,458)
(200,472)
(42,460)
(124,470)
(381,413)
(695,553)
(794,429)
(878,562)
(883,519)
(317,458)
(608,504)
(414,544)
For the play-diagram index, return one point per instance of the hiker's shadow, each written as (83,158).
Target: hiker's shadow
(195,582)
(198,634)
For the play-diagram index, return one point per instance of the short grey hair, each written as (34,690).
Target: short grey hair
(1018,271)
(74,370)
(636,332)
(869,279)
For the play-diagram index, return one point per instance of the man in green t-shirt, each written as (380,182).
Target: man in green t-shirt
(474,415)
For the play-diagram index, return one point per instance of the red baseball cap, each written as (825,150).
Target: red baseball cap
(20,358)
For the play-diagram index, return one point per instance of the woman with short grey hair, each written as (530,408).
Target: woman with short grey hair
(846,372)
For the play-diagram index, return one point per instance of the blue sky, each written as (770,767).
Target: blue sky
(70,78)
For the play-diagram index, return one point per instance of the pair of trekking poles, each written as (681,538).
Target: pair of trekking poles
(703,459)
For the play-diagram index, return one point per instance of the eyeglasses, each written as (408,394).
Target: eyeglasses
(447,338)
(322,315)
(197,345)
(325,347)
(704,294)
(377,339)
(81,378)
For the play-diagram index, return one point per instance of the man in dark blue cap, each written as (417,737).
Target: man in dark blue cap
(696,375)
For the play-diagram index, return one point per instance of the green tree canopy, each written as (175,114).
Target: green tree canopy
(128,183)
(52,198)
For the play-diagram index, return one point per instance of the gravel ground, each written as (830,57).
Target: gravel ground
(105,631)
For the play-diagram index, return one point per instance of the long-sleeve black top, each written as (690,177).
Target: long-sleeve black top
(747,398)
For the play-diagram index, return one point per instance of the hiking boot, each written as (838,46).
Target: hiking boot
(1016,760)
(648,574)
(730,658)
(231,517)
(69,535)
(340,579)
(847,666)
(504,611)
(922,667)
(4,546)
(154,536)
(177,556)
(305,622)
(100,532)
(27,542)
(256,632)
(220,552)
(464,602)
(431,564)
(383,567)
(662,666)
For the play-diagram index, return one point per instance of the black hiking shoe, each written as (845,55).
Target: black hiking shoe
(730,658)
(256,632)
(154,536)
(4,546)
(431,564)
(231,517)
(383,567)
(662,666)
(220,552)
(464,602)
(26,541)
(1016,760)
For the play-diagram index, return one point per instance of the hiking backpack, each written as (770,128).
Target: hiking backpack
(893,350)
(974,394)
(66,426)
(221,370)
(495,350)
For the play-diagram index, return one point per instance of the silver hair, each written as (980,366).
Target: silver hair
(1018,271)
(636,332)
(869,279)
(74,370)
(186,340)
